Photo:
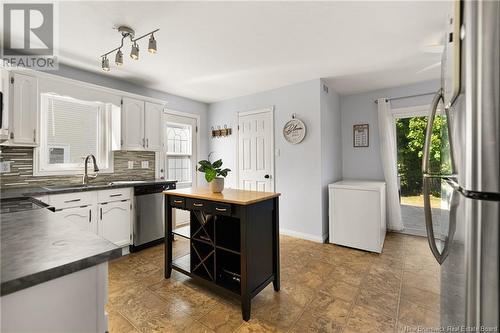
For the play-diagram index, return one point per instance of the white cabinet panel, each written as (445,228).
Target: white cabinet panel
(114,222)
(132,124)
(152,126)
(82,217)
(66,200)
(24,110)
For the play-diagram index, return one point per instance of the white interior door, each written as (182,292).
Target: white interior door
(255,150)
(180,155)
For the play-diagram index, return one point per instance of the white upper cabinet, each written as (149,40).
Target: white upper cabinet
(23,129)
(132,124)
(141,125)
(152,126)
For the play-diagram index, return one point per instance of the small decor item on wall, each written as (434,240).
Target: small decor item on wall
(214,174)
(294,130)
(361,135)
(217,133)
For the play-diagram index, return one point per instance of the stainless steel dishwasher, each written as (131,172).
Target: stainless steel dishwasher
(149,225)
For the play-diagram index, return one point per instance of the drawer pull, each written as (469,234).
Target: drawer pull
(198,204)
(221,209)
(116,195)
(177,201)
(74,200)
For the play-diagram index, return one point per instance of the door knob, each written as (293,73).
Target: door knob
(267,176)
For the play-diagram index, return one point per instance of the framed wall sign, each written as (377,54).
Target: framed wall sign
(294,130)
(360,135)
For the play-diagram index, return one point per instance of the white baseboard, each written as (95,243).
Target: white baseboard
(310,237)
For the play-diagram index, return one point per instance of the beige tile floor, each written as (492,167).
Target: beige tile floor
(325,288)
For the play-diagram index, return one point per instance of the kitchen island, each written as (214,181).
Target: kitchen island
(234,240)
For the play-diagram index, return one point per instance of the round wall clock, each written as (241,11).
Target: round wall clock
(294,131)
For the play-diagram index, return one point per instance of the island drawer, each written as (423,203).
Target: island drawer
(211,207)
(177,202)
(197,204)
(221,208)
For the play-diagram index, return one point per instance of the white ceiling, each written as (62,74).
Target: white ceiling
(210,51)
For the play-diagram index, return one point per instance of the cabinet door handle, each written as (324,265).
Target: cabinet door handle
(90,215)
(147,143)
(177,201)
(74,200)
(34,134)
(198,204)
(220,209)
(143,143)
(116,195)
(101,213)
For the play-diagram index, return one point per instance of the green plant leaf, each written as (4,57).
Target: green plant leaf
(210,175)
(204,164)
(217,164)
(223,172)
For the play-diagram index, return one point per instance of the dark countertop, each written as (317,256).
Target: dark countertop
(36,247)
(37,191)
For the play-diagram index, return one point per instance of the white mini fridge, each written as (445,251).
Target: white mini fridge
(357,214)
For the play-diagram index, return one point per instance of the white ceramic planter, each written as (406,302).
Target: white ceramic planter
(217,185)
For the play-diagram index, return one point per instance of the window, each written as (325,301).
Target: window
(70,130)
(179,151)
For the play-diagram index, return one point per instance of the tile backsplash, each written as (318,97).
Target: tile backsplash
(21,169)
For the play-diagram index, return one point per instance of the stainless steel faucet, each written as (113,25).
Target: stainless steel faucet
(86,175)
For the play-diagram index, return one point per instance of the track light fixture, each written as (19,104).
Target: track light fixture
(105,64)
(119,58)
(152,44)
(127,32)
(134,53)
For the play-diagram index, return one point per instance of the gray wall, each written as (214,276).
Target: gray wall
(298,168)
(173,102)
(331,146)
(365,163)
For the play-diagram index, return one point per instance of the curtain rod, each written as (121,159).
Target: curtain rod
(409,96)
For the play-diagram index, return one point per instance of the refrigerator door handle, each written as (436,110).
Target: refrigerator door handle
(454,198)
(428,132)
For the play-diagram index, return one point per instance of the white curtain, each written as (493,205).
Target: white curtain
(387,135)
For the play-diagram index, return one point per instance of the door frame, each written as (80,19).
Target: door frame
(270,110)
(160,156)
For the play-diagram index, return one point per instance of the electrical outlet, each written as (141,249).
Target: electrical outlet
(130,164)
(5,167)
(145,164)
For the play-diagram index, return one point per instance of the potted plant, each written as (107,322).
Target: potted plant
(214,174)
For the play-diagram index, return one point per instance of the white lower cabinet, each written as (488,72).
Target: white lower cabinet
(107,213)
(82,217)
(114,222)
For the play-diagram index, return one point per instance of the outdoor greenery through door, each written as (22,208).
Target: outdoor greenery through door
(410,138)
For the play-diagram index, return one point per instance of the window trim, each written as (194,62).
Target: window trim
(103,130)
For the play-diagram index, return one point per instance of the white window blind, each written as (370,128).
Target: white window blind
(71,129)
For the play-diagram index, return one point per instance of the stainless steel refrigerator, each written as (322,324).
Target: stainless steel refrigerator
(465,235)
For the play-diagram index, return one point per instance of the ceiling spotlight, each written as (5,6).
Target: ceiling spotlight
(128,33)
(134,54)
(105,64)
(152,44)
(119,58)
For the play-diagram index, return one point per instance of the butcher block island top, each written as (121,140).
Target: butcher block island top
(233,196)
